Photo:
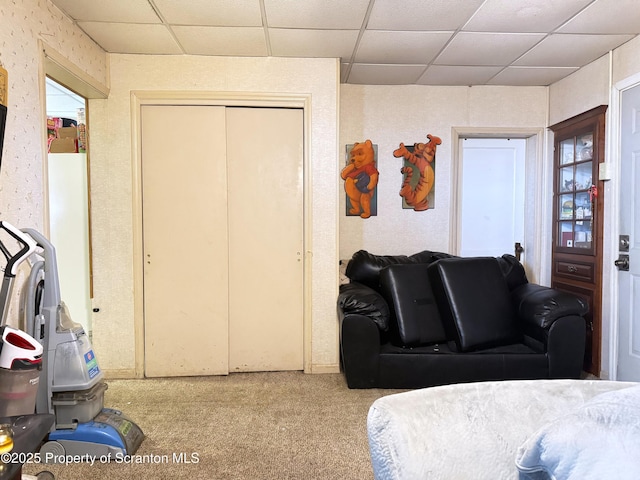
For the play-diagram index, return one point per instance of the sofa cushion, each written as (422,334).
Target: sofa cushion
(407,289)
(474,302)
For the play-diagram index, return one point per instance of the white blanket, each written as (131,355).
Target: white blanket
(468,431)
(599,441)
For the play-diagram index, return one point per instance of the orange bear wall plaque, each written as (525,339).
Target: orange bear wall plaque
(361,179)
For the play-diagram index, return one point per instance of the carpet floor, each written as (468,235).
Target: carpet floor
(262,426)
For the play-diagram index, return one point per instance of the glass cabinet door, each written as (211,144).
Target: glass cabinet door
(574,200)
(578,207)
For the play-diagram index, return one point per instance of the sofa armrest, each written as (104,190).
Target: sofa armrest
(364,320)
(541,306)
(556,319)
(356,298)
(360,345)
(565,346)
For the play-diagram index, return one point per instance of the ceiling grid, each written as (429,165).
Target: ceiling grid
(379,42)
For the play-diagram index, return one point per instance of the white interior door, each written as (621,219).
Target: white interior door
(223,237)
(265,151)
(629,282)
(184,177)
(492,196)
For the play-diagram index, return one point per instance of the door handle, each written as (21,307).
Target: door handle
(518,250)
(623,244)
(622,263)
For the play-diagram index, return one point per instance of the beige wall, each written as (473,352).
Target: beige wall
(591,86)
(24,24)
(388,115)
(626,61)
(113,189)
(583,90)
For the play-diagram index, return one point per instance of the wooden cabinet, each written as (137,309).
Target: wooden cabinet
(577,219)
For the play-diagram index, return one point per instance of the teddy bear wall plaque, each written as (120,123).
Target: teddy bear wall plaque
(361,179)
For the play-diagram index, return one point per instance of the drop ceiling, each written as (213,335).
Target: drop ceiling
(379,42)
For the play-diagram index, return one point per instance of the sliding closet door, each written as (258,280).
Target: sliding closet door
(223,238)
(264,158)
(184,193)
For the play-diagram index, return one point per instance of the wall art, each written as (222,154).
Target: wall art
(419,174)
(361,179)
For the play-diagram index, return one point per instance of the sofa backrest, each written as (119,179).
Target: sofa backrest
(407,290)
(365,267)
(512,271)
(474,301)
(411,318)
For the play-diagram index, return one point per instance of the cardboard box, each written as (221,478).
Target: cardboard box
(63,145)
(68,132)
(66,141)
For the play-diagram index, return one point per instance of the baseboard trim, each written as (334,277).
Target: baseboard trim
(123,373)
(130,373)
(331,368)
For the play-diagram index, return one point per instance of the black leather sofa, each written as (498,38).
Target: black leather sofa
(433,319)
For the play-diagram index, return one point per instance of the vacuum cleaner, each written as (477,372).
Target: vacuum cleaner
(71,383)
(20,353)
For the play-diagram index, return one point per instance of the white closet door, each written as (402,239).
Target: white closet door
(185,240)
(222,215)
(265,153)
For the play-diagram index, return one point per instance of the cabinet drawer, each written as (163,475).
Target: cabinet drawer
(584,271)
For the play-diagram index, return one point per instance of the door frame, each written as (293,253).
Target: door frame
(226,99)
(537,213)
(56,66)
(611,290)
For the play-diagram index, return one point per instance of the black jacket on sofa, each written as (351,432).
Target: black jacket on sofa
(433,319)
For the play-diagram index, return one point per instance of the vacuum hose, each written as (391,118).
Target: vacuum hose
(33,299)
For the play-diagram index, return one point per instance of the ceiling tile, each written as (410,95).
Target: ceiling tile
(326,14)
(567,50)
(530,76)
(486,48)
(606,16)
(454,75)
(116,11)
(121,38)
(221,13)
(385,74)
(421,15)
(313,43)
(396,40)
(400,47)
(518,16)
(225,41)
